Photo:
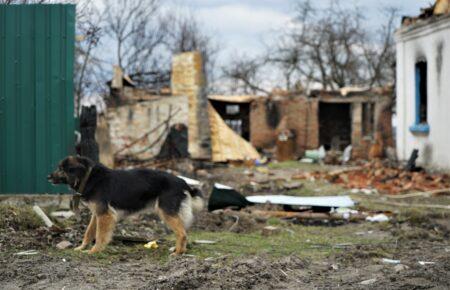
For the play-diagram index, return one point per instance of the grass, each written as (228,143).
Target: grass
(19,218)
(318,188)
(293,164)
(303,241)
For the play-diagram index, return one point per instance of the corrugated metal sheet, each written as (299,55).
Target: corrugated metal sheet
(36,94)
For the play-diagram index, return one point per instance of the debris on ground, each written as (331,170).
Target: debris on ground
(411,165)
(292,185)
(379,218)
(63,245)
(368,282)
(384,179)
(153,245)
(62,214)
(205,242)
(43,216)
(27,253)
(390,261)
(312,201)
(316,155)
(223,196)
(424,263)
(400,267)
(270,231)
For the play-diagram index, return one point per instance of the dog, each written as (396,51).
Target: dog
(114,194)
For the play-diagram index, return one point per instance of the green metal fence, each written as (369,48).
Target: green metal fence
(36,94)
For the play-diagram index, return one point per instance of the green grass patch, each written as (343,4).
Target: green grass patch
(303,241)
(318,188)
(116,253)
(294,164)
(310,241)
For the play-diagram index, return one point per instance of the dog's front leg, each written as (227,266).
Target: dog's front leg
(105,227)
(89,235)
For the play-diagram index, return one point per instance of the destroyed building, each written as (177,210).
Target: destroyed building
(137,121)
(230,128)
(334,119)
(423,90)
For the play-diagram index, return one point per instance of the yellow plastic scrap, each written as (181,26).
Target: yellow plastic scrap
(151,245)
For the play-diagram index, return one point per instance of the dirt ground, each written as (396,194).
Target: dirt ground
(304,255)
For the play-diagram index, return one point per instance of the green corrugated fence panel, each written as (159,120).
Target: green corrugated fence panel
(36,94)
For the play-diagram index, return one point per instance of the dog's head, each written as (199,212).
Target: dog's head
(71,171)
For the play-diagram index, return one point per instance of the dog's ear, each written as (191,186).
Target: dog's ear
(86,162)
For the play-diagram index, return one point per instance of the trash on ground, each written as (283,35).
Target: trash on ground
(62,214)
(270,231)
(205,242)
(390,261)
(378,218)
(319,201)
(48,223)
(347,155)
(151,245)
(27,253)
(316,155)
(223,196)
(424,263)
(63,245)
(345,212)
(368,282)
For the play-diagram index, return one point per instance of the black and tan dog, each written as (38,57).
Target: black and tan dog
(112,194)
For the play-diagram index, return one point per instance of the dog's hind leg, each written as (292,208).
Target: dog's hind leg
(105,227)
(89,235)
(177,226)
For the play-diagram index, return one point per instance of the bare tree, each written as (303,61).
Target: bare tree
(136,30)
(88,37)
(245,75)
(380,58)
(185,34)
(331,47)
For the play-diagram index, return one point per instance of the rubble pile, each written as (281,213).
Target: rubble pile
(385,179)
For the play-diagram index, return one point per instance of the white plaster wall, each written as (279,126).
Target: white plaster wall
(144,117)
(414,43)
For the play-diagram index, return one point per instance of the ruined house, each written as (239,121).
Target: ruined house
(229,128)
(334,119)
(137,121)
(423,89)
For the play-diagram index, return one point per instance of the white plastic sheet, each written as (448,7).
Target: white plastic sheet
(323,201)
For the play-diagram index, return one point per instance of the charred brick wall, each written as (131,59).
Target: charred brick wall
(269,116)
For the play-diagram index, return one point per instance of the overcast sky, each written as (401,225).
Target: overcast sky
(243,25)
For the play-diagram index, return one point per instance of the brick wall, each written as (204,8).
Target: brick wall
(188,80)
(298,114)
(301,115)
(129,122)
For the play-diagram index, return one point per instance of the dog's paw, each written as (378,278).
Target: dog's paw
(94,250)
(80,248)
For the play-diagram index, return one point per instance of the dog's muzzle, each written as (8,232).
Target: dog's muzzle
(57,177)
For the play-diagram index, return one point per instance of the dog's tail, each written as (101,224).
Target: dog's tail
(197,203)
